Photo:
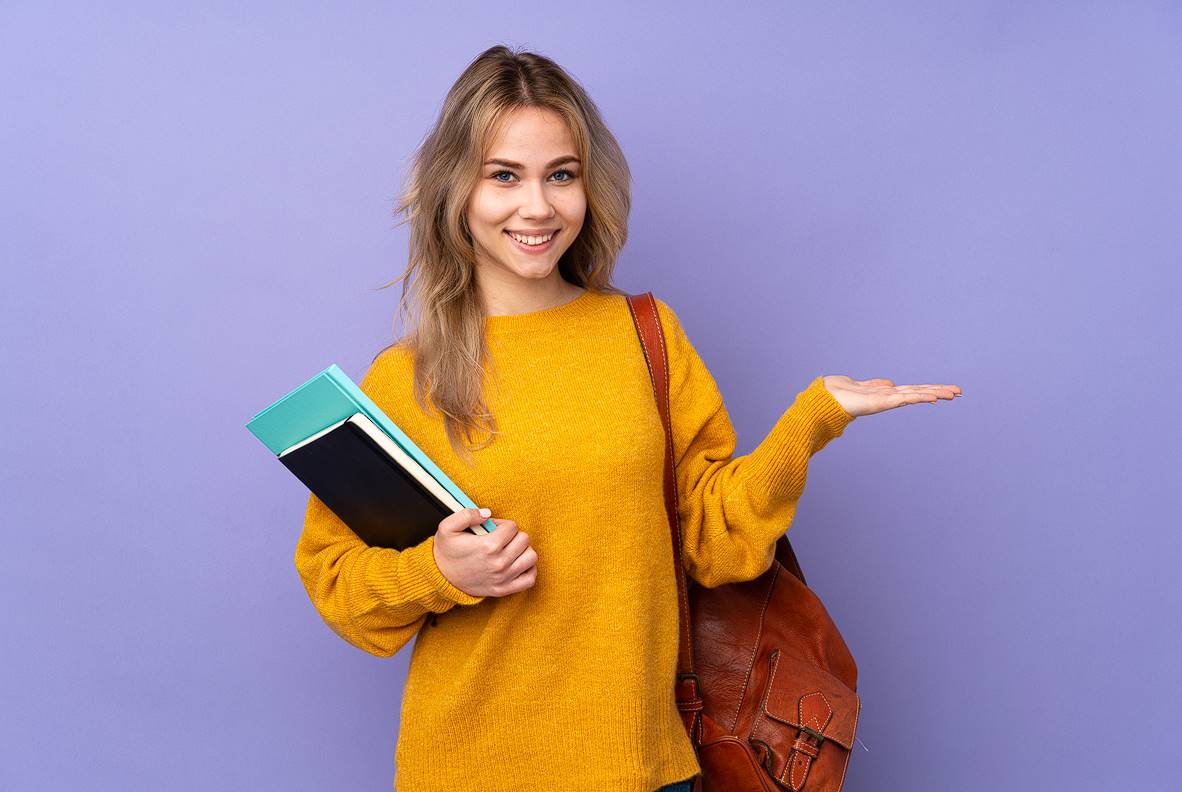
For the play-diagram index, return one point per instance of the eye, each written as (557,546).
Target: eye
(570,176)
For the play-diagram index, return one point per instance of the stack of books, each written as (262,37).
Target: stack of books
(355,459)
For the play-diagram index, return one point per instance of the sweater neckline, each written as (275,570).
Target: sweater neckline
(541,319)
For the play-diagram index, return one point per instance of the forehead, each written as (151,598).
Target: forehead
(531,134)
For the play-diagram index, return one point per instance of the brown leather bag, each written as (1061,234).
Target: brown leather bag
(765,683)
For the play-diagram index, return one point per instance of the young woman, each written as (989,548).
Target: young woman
(546,650)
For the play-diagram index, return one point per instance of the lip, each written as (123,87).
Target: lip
(536,249)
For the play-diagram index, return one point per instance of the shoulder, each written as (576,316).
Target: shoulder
(686,367)
(672,334)
(666,312)
(388,368)
(688,372)
(670,323)
(673,330)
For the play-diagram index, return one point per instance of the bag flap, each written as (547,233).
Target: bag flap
(800,694)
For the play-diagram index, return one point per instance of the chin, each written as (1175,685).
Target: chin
(534,273)
(531,269)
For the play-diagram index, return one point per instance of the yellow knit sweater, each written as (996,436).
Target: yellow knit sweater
(567,685)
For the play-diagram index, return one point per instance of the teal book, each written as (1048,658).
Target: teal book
(299,424)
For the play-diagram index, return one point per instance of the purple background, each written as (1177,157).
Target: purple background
(197,214)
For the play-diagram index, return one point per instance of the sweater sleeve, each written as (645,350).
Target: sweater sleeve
(733,509)
(375,598)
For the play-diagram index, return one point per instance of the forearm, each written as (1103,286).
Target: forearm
(375,598)
(733,511)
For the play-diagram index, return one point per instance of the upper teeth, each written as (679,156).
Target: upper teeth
(531,240)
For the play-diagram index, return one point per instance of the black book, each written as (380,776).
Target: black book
(377,489)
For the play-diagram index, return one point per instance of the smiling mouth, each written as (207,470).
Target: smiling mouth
(533,241)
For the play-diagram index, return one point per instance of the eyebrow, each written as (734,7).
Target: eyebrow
(519,166)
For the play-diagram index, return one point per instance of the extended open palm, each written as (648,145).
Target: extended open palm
(866,397)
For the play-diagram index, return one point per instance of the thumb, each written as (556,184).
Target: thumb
(459,522)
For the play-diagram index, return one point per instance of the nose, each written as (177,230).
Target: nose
(535,204)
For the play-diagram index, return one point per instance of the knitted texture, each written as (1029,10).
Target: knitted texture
(567,685)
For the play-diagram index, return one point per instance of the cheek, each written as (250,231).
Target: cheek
(574,207)
(483,209)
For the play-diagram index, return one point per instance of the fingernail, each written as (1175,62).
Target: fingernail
(486,512)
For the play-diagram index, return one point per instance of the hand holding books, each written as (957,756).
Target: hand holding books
(489,565)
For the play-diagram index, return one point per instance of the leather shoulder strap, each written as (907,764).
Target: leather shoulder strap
(652,341)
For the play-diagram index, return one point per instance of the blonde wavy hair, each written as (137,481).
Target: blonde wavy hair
(440,303)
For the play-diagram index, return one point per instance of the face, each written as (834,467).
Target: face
(530,183)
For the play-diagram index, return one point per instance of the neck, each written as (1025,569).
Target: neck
(501,298)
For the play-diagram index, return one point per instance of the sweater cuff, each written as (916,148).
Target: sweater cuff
(397,576)
(806,427)
(828,410)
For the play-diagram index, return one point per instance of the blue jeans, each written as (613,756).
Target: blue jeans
(680,786)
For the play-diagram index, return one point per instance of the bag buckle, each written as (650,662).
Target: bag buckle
(690,708)
(694,700)
(816,735)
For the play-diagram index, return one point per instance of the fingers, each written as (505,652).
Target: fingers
(461,521)
(937,386)
(937,391)
(915,397)
(516,564)
(952,390)
(514,548)
(515,568)
(499,539)
(525,562)
(521,582)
